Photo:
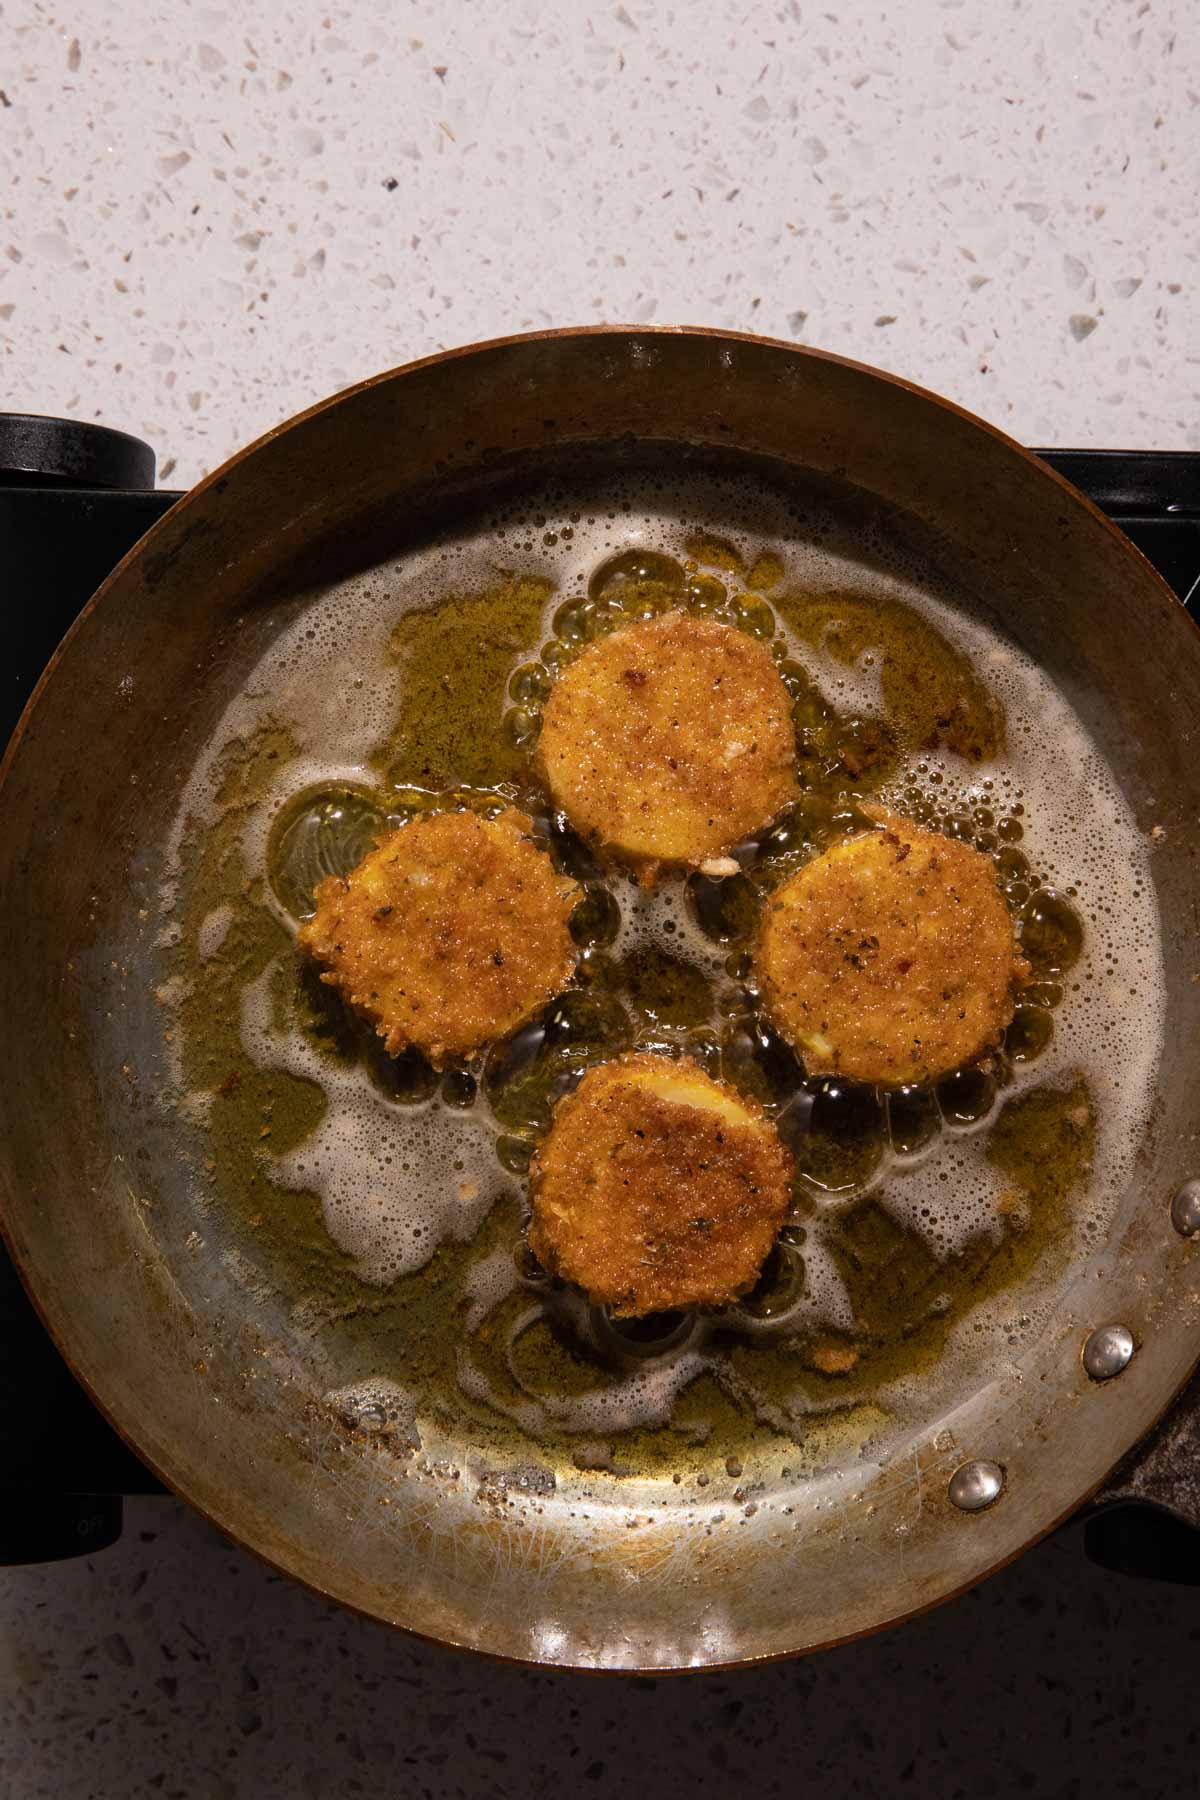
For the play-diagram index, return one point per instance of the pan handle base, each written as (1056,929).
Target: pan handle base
(1143,1540)
(1146,1518)
(38,1528)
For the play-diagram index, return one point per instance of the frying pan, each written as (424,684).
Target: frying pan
(213,1379)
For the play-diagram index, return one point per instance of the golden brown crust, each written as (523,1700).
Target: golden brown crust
(670,740)
(658,1187)
(891,958)
(450,933)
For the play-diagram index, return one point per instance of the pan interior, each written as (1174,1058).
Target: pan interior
(371,1210)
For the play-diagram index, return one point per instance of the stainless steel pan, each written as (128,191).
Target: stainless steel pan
(213,1381)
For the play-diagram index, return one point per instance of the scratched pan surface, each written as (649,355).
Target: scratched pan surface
(214,1369)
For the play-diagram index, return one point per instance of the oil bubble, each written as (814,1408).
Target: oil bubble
(514,1153)
(913,1119)
(846,1141)
(322,832)
(778,1288)
(459,1088)
(967,1096)
(634,1340)
(635,577)
(1029,1034)
(758,1061)
(573,622)
(522,727)
(530,684)
(570,854)
(703,594)
(596,919)
(409,1078)
(752,615)
(725,910)
(529,1268)
(1051,933)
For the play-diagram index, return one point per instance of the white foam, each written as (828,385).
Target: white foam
(394,1181)
(213,931)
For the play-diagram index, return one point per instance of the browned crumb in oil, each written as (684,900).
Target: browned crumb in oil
(833,1358)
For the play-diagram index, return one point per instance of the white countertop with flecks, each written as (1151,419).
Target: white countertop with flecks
(214,215)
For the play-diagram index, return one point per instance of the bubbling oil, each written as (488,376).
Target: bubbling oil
(915,1212)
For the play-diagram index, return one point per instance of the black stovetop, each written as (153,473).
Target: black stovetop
(62,1469)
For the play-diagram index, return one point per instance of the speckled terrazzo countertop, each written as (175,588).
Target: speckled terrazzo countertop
(215,215)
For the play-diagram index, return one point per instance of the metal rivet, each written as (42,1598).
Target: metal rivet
(1185,1210)
(1107,1351)
(975,1485)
